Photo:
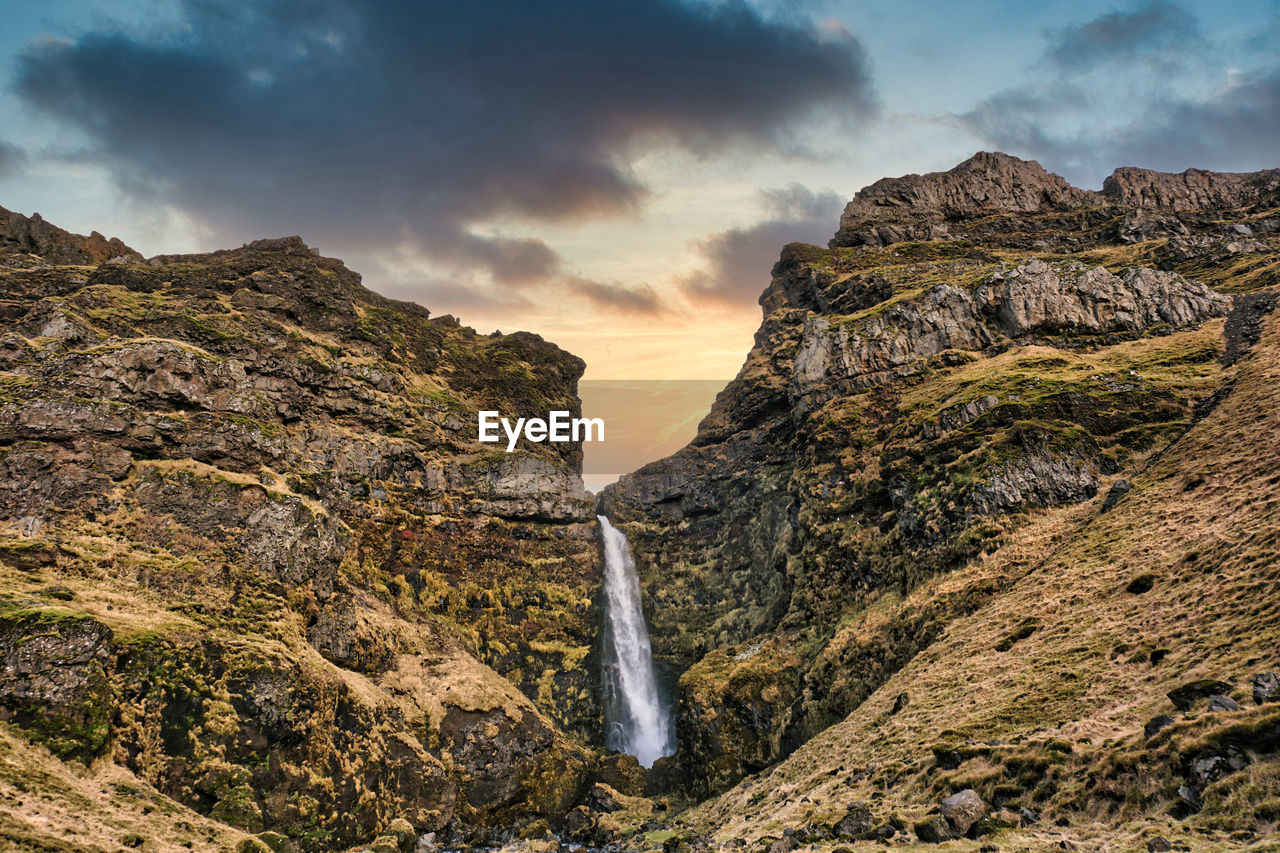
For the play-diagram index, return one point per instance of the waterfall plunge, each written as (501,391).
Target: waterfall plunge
(636,720)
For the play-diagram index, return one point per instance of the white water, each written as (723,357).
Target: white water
(636,718)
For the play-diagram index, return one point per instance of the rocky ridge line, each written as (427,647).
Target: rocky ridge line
(936,205)
(31,235)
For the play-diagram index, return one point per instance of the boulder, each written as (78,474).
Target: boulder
(786,843)
(602,798)
(856,823)
(1266,688)
(1157,724)
(1222,703)
(580,824)
(277,842)
(1207,770)
(1119,489)
(404,834)
(252,845)
(1189,796)
(935,830)
(1185,697)
(622,773)
(962,810)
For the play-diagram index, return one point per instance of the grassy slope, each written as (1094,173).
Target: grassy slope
(1204,520)
(49,805)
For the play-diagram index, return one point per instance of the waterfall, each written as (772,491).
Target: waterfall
(636,719)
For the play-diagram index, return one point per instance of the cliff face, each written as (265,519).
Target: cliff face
(981,362)
(920,206)
(48,244)
(252,554)
(980,540)
(996,199)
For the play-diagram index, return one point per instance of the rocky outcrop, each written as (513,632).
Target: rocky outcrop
(1033,298)
(1193,190)
(734,708)
(977,347)
(54,680)
(918,207)
(31,235)
(293,592)
(991,197)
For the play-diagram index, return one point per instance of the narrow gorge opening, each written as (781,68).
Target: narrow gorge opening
(637,719)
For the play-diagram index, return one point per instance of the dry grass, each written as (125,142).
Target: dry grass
(49,805)
(1203,520)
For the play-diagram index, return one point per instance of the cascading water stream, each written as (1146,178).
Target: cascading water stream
(637,720)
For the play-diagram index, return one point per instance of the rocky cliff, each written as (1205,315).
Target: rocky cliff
(929,466)
(44,243)
(979,547)
(255,567)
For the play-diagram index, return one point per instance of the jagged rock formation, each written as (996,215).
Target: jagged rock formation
(1033,298)
(975,360)
(917,207)
(49,244)
(1191,191)
(251,552)
(977,197)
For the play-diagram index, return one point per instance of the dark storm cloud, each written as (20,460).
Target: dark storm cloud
(374,124)
(1153,30)
(11,159)
(1124,79)
(738,260)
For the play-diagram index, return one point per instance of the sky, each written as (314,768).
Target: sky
(615,175)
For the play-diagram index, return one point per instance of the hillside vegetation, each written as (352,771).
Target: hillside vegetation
(996,479)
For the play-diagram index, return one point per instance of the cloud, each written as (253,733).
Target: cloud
(1140,88)
(1152,31)
(615,297)
(12,159)
(1235,129)
(737,261)
(376,123)
(532,276)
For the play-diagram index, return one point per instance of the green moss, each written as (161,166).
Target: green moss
(316,364)
(239,808)
(78,732)
(16,387)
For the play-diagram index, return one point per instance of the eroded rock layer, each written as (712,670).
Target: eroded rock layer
(976,350)
(252,553)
